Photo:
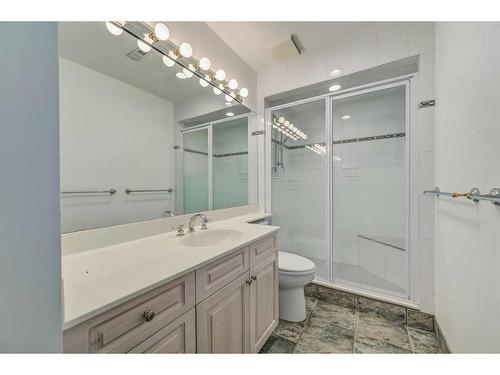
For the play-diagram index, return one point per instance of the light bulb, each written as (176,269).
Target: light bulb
(161,31)
(187,72)
(244,92)
(305,136)
(113,29)
(220,74)
(205,63)
(144,46)
(168,61)
(233,84)
(203,83)
(335,88)
(335,72)
(228,98)
(180,75)
(286,123)
(185,49)
(217,91)
(229,114)
(281,120)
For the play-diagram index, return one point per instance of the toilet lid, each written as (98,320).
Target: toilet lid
(294,263)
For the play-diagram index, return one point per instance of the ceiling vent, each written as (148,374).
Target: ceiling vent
(287,49)
(136,55)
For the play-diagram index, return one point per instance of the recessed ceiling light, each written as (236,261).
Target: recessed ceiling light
(345,117)
(335,88)
(180,75)
(335,72)
(229,114)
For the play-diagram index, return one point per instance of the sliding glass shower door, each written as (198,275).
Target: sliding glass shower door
(195,171)
(299,181)
(369,190)
(215,166)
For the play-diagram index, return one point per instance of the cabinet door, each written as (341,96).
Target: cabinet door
(222,319)
(177,337)
(264,314)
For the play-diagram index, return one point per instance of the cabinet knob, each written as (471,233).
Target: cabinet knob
(254,278)
(249,281)
(148,315)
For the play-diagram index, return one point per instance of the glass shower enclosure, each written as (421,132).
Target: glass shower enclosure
(215,166)
(341,194)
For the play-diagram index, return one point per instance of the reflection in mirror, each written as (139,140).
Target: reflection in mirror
(215,166)
(120,113)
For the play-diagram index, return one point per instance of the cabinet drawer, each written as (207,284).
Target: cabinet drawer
(260,250)
(177,337)
(124,330)
(215,275)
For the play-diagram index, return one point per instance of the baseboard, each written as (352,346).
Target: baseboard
(443,343)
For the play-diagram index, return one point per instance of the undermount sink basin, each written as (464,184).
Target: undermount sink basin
(210,237)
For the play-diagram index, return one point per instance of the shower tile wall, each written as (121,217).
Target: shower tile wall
(230,164)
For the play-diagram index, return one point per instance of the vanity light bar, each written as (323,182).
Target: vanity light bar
(287,128)
(157,38)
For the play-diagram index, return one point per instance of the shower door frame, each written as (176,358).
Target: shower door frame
(410,81)
(180,161)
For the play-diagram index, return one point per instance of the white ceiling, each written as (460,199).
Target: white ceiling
(253,41)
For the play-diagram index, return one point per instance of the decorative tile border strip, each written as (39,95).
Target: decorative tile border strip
(372,138)
(215,155)
(230,154)
(344,141)
(196,151)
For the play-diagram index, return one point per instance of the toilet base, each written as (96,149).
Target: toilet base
(293,304)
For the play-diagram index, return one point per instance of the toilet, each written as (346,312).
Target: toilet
(295,272)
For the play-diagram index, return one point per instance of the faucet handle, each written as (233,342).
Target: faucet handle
(180,229)
(204,225)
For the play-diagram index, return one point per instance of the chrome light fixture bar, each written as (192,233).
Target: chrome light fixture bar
(157,38)
(287,128)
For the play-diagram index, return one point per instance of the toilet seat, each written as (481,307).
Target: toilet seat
(291,264)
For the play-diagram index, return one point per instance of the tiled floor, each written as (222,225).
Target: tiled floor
(339,322)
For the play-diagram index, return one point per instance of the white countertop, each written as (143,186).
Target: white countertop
(97,280)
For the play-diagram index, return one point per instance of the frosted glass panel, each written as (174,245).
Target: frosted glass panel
(195,183)
(299,183)
(230,164)
(369,191)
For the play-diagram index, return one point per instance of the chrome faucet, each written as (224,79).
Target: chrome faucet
(192,221)
(167,213)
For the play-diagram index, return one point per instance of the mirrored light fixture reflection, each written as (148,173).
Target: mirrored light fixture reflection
(288,129)
(346,117)
(183,53)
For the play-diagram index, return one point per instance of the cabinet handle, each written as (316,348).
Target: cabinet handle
(148,315)
(249,281)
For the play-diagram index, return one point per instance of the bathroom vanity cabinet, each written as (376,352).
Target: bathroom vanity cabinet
(229,305)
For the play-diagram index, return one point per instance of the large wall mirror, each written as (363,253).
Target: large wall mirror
(141,137)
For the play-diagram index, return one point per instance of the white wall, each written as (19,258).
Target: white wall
(30,267)
(113,135)
(382,43)
(467,154)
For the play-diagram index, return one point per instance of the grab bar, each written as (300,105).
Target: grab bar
(169,190)
(474,194)
(110,191)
